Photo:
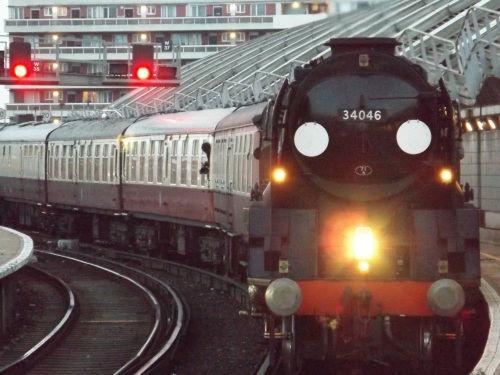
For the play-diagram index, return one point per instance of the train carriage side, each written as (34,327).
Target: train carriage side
(22,170)
(236,168)
(83,163)
(166,187)
(236,179)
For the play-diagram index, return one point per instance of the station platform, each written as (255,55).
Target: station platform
(490,287)
(15,251)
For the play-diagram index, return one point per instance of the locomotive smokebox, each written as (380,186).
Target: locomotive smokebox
(342,45)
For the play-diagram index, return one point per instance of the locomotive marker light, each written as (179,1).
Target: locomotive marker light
(446,175)
(283,296)
(363,245)
(414,137)
(311,139)
(279,175)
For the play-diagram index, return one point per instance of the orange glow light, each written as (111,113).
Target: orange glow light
(446,175)
(279,175)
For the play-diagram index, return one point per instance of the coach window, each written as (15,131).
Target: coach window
(236,165)
(97,162)
(70,162)
(166,161)
(142,162)
(203,159)
(247,184)
(151,161)
(56,161)
(126,162)
(105,163)
(133,162)
(88,162)
(159,162)
(112,163)
(81,163)
(63,161)
(184,162)
(194,162)
(173,164)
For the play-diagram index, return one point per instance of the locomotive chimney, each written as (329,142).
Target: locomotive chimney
(342,45)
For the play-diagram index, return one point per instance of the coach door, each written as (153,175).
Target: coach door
(223,179)
(230,181)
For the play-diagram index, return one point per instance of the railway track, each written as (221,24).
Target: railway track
(121,327)
(221,337)
(47,309)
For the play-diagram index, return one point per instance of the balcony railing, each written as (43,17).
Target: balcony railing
(40,51)
(48,111)
(189,21)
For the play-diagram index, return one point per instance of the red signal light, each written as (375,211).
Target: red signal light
(20,59)
(143,73)
(20,71)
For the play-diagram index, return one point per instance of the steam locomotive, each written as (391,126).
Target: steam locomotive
(338,202)
(365,244)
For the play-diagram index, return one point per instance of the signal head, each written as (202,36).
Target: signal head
(20,71)
(20,59)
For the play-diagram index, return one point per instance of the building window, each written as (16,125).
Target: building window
(120,38)
(91,40)
(71,97)
(51,95)
(75,12)
(35,14)
(150,10)
(141,38)
(109,12)
(94,69)
(16,13)
(197,11)
(239,8)
(75,68)
(218,11)
(94,12)
(101,12)
(106,96)
(253,35)
(233,37)
(258,9)
(168,11)
(89,97)
(62,11)
(186,39)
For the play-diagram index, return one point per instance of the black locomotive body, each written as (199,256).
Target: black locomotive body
(365,222)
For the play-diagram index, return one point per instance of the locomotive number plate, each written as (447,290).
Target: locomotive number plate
(374,115)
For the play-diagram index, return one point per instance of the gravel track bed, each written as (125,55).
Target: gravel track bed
(220,340)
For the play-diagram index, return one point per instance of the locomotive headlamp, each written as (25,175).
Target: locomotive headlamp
(363,266)
(279,175)
(363,246)
(446,175)
(363,243)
